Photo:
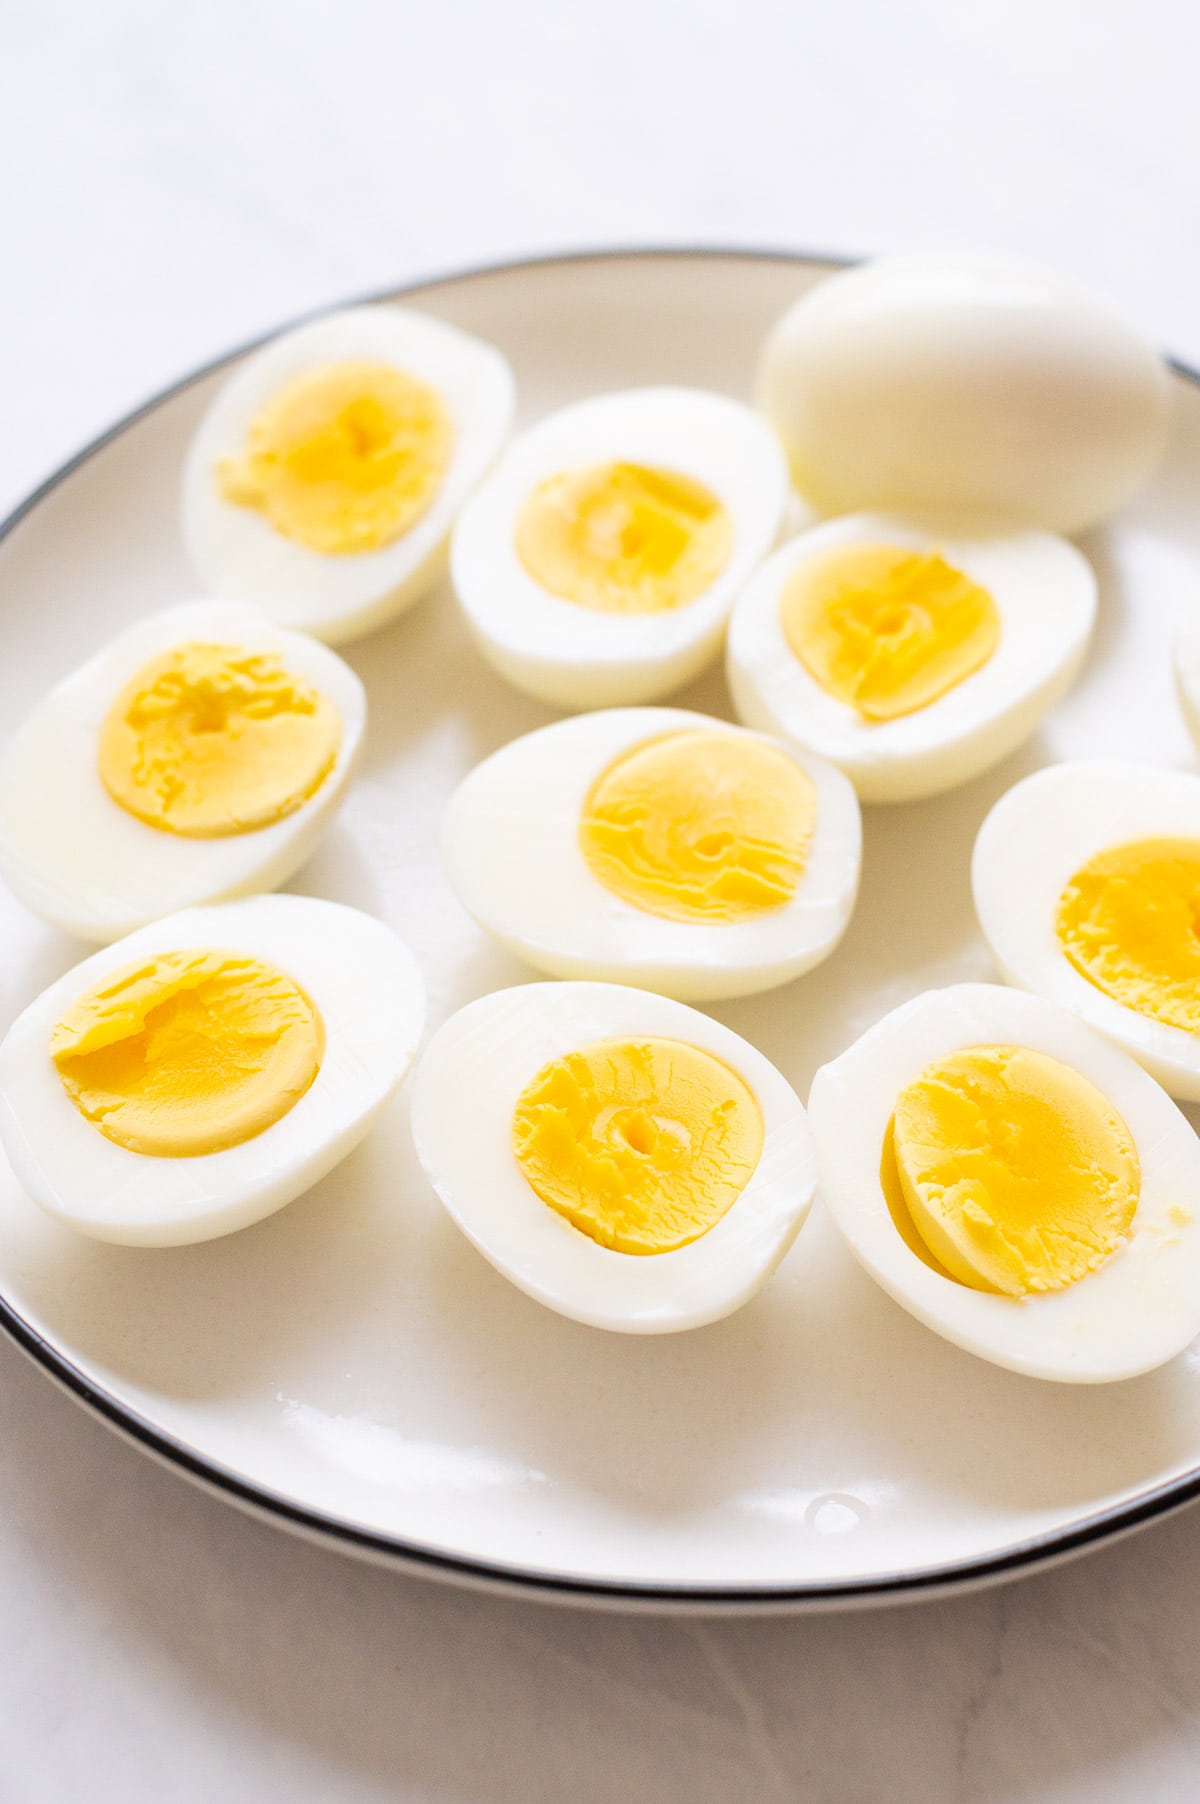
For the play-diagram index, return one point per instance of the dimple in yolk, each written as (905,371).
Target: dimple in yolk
(887,629)
(643,1145)
(189,1052)
(1016,1173)
(624,538)
(1129,921)
(344,458)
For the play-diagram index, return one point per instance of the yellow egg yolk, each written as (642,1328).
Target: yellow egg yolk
(209,740)
(344,458)
(188,1052)
(642,1145)
(1019,1176)
(623,538)
(1129,921)
(886,629)
(700,826)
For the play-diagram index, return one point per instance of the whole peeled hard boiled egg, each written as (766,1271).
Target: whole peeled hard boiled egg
(956,381)
(199,756)
(598,563)
(657,847)
(622,1158)
(1016,1182)
(209,1068)
(324,479)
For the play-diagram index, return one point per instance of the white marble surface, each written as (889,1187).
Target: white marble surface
(176,178)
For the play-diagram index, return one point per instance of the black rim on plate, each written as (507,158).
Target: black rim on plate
(1103,1525)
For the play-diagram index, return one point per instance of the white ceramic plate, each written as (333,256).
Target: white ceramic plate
(352,1368)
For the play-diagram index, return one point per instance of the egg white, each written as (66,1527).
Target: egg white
(1137,1311)
(578,657)
(1045,592)
(464,1093)
(77,858)
(1187,675)
(235,551)
(510,844)
(1030,846)
(365,985)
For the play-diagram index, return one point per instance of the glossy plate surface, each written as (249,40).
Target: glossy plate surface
(352,1367)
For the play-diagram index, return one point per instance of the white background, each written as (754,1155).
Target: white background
(179,177)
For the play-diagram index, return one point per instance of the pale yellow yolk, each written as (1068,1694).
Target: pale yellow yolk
(1018,1174)
(189,1052)
(886,629)
(212,739)
(642,1144)
(700,826)
(624,539)
(344,458)
(1130,922)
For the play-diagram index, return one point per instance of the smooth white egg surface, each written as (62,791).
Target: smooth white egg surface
(273,1030)
(654,1125)
(1006,1163)
(324,479)
(957,381)
(1086,879)
(658,847)
(597,565)
(912,652)
(1187,673)
(199,756)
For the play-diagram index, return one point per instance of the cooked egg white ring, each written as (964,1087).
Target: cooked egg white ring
(1045,592)
(368,991)
(1032,843)
(1138,1310)
(578,657)
(464,1094)
(77,858)
(234,549)
(510,844)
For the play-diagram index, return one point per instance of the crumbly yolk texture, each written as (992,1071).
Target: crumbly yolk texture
(700,826)
(209,740)
(642,1145)
(1129,921)
(344,458)
(624,538)
(189,1052)
(1018,1174)
(887,629)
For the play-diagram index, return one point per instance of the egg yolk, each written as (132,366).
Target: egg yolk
(344,458)
(700,826)
(212,739)
(886,629)
(188,1052)
(624,538)
(1129,921)
(641,1144)
(1018,1175)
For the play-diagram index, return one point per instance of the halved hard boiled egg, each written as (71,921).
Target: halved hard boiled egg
(658,847)
(628,1162)
(1087,885)
(1016,1182)
(323,481)
(911,653)
(598,563)
(209,1068)
(199,756)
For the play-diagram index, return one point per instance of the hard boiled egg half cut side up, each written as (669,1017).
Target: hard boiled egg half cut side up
(598,563)
(912,653)
(206,1070)
(1016,1182)
(324,479)
(200,756)
(630,1162)
(657,847)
